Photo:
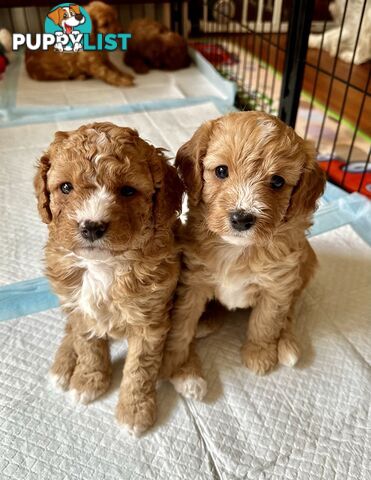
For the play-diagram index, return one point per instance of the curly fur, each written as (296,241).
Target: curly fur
(263,268)
(120,285)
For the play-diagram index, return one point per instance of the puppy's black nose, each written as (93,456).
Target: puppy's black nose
(241,221)
(93,230)
(78,16)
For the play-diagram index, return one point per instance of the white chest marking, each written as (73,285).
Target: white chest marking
(237,292)
(95,293)
(235,287)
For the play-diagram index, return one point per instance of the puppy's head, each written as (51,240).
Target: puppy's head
(167,50)
(249,173)
(103,188)
(104,17)
(175,51)
(70,15)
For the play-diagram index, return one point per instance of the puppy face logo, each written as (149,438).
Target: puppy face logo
(68,22)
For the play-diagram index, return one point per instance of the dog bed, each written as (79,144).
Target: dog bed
(23,98)
(310,422)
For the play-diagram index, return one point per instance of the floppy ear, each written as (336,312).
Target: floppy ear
(167,199)
(56,15)
(189,162)
(310,186)
(41,180)
(75,8)
(41,189)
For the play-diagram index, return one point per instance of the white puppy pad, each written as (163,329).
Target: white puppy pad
(45,436)
(309,422)
(21,230)
(154,86)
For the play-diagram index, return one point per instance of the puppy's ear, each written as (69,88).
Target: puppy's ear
(310,186)
(189,162)
(56,15)
(41,179)
(167,199)
(75,8)
(41,189)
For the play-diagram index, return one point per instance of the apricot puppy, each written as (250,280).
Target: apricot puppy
(252,184)
(111,203)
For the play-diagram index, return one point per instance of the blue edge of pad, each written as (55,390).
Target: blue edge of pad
(11,115)
(31,296)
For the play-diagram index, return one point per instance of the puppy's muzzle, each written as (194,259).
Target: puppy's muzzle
(93,230)
(241,220)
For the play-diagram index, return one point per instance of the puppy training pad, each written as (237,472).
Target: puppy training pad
(21,229)
(23,96)
(310,422)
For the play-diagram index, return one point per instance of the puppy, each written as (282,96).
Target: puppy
(111,203)
(52,65)
(154,46)
(252,186)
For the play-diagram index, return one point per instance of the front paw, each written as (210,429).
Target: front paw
(127,80)
(288,351)
(137,414)
(260,358)
(62,369)
(86,386)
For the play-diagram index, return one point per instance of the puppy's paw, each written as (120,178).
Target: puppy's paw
(288,351)
(59,382)
(136,415)
(259,358)
(62,370)
(82,397)
(190,386)
(86,386)
(126,80)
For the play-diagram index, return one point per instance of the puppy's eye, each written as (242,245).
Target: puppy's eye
(66,187)
(65,15)
(277,182)
(127,191)
(221,171)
